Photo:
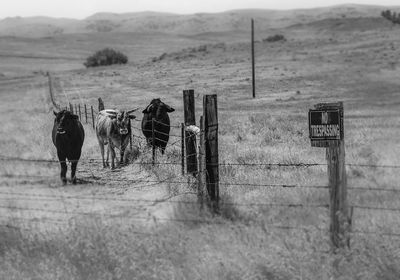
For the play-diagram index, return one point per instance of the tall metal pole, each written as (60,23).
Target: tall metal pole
(252,59)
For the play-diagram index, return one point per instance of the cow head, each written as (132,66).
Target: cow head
(157,108)
(64,120)
(122,119)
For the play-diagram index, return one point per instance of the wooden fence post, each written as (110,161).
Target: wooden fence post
(91,108)
(183,148)
(252,60)
(331,114)
(338,195)
(190,137)
(202,166)
(51,90)
(85,113)
(153,138)
(211,147)
(80,116)
(76,110)
(71,108)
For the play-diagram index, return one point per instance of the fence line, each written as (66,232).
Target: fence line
(90,160)
(376,208)
(40,197)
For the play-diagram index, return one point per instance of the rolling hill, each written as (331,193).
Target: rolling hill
(154,22)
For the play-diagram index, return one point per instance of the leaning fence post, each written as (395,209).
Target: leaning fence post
(211,147)
(153,139)
(91,108)
(190,137)
(85,113)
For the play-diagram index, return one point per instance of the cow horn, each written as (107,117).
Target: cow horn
(131,111)
(148,108)
(111,112)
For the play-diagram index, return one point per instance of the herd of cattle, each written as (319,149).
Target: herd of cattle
(113,128)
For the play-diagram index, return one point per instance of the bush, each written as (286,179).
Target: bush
(275,38)
(391,16)
(106,57)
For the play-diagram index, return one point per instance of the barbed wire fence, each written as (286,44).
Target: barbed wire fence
(87,116)
(46,197)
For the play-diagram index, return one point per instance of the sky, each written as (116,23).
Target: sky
(80,9)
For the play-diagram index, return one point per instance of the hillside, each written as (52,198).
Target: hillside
(150,22)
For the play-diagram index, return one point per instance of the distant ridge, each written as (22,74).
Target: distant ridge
(151,22)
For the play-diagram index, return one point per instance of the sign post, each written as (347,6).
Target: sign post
(327,130)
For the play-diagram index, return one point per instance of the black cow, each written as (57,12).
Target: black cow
(68,136)
(159,111)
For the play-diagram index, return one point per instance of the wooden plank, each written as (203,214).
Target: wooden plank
(211,147)
(190,137)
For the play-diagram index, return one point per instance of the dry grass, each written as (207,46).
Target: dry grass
(249,239)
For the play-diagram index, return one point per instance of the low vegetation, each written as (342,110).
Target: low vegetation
(106,57)
(275,38)
(391,16)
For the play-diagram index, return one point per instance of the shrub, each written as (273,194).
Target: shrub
(275,38)
(391,16)
(104,57)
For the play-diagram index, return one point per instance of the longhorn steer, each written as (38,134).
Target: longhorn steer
(113,127)
(158,111)
(68,136)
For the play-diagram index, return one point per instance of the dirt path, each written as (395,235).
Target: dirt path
(31,193)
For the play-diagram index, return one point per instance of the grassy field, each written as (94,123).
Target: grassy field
(125,234)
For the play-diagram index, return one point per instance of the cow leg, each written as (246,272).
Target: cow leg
(63,163)
(102,153)
(74,164)
(108,156)
(111,150)
(122,152)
